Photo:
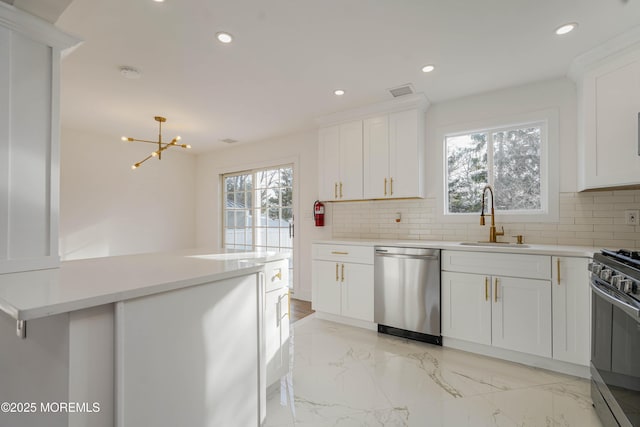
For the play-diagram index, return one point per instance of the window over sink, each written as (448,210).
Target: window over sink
(512,159)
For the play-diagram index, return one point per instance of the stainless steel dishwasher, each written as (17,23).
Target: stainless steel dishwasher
(407,292)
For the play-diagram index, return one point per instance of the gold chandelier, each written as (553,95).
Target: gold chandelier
(161,145)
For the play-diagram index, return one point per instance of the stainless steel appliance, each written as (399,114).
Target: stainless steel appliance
(407,292)
(615,337)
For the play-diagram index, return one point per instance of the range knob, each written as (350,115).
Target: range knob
(626,286)
(616,281)
(605,274)
(596,268)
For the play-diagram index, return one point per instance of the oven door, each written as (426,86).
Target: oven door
(615,352)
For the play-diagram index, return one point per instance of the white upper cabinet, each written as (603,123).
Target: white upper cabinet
(608,143)
(375,152)
(394,155)
(340,161)
(30,53)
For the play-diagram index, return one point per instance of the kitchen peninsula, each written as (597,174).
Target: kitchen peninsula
(151,339)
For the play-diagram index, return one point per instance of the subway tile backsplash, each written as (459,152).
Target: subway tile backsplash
(586,219)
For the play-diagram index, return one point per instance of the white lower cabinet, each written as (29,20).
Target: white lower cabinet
(466,307)
(501,311)
(505,312)
(276,320)
(571,298)
(521,315)
(340,286)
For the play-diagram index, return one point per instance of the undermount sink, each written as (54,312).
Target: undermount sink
(495,244)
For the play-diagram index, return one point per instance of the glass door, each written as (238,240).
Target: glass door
(258,210)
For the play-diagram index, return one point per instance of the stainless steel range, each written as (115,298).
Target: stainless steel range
(615,339)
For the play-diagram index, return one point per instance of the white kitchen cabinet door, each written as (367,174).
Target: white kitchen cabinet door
(340,161)
(406,142)
(329,162)
(276,330)
(357,291)
(610,107)
(376,157)
(326,286)
(571,300)
(521,315)
(350,185)
(466,307)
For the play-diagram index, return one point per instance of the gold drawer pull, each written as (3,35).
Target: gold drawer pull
(486,289)
(339,253)
(278,275)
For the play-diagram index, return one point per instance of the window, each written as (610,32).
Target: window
(258,210)
(510,159)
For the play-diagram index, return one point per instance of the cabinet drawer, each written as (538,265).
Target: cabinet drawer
(499,264)
(343,253)
(276,274)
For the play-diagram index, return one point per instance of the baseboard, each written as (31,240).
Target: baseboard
(347,321)
(515,356)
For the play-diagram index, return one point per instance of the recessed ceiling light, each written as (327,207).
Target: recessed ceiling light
(158,1)
(428,68)
(224,37)
(338,92)
(566,28)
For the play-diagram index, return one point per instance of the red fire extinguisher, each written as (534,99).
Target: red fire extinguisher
(318,213)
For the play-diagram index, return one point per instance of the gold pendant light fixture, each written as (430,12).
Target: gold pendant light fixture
(161,145)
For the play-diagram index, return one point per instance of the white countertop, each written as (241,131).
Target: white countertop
(558,250)
(91,282)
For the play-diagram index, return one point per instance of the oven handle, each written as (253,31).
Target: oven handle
(627,308)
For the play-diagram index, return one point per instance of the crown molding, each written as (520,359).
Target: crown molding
(626,42)
(35,28)
(402,103)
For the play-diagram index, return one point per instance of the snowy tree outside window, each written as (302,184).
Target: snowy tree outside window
(508,159)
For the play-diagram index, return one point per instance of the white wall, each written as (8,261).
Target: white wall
(557,94)
(108,209)
(300,149)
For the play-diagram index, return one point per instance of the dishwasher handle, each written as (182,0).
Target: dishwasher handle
(392,255)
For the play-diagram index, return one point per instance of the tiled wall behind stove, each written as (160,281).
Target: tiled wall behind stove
(586,219)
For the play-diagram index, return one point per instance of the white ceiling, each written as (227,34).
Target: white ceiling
(289,55)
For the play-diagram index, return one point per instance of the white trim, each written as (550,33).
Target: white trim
(549,168)
(35,28)
(515,356)
(618,45)
(408,102)
(347,321)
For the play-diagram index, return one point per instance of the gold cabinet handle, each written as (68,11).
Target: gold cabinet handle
(486,289)
(339,253)
(278,275)
(337,277)
(342,273)
(335,190)
(341,189)
(391,185)
(495,290)
(385,186)
(558,270)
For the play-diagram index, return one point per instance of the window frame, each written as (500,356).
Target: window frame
(549,176)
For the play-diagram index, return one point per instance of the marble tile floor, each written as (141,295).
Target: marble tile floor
(346,376)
